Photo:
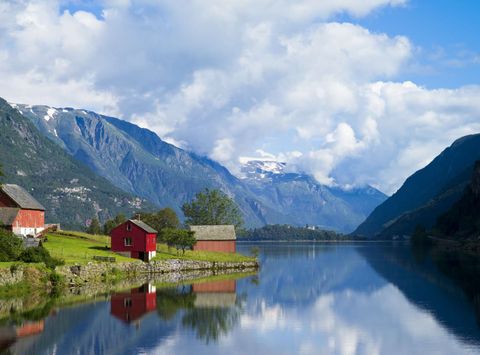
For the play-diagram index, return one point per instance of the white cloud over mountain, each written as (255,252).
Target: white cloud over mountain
(229,79)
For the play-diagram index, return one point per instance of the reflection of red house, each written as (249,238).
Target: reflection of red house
(215,294)
(215,238)
(135,239)
(30,328)
(133,305)
(20,212)
(223,286)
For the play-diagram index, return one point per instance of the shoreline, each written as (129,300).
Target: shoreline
(319,241)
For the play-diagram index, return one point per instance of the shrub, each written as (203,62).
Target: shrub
(11,246)
(39,255)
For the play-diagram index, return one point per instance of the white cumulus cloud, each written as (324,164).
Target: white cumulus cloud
(232,79)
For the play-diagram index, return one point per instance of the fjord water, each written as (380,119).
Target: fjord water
(308,298)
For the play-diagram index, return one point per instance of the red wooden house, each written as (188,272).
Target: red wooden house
(133,305)
(134,239)
(215,238)
(20,212)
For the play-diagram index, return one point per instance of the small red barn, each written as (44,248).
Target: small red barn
(133,305)
(20,212)
(215,238)
(134,239)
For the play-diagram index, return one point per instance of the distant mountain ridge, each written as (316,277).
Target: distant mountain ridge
(426,194)
(138,161)
(303,198)
(71,193)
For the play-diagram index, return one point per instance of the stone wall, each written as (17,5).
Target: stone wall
(97,272)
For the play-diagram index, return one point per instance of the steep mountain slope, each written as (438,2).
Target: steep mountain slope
(71,193)
(138,161)
(303,200)
(426,194)
(462,220)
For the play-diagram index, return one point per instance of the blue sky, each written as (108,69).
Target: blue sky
(352,92)
(447,33)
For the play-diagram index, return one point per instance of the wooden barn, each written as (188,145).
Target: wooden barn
(20,212)
(133,305)
(134,239)
(215,238)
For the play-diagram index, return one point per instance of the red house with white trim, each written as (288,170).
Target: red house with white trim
(134,239)
(20,213)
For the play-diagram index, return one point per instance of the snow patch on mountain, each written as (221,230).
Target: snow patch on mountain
(262,169)
(50,113)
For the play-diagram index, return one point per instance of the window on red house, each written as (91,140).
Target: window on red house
(127,241)
(129,227)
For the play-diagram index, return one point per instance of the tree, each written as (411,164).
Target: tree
(1,174)
(112,223)
(94,227)
(164,218)
(212,207)
(178,238)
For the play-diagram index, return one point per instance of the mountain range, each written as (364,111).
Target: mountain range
(70,192)
(427,194)
(136,161)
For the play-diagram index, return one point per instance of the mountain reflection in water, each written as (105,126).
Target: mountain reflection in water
(365,298)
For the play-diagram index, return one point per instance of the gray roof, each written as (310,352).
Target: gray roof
(7,215)
(21,197)
(143,225)
(223,232)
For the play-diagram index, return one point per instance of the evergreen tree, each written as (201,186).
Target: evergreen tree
(94,227)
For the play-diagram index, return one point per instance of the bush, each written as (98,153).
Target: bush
(11,246)
(39,255)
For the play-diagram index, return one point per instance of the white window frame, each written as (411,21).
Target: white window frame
(129,239)
(129,227)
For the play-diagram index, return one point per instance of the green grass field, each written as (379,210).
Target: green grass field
(163,253)
(80,250)
(77,247)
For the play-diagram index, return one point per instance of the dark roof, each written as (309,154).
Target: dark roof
(7,215)
(219,232)
(143,225)
(21,197)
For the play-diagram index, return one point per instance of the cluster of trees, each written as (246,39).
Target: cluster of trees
(287,232)
(209,207)
(12,249)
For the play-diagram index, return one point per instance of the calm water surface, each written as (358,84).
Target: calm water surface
(307,299)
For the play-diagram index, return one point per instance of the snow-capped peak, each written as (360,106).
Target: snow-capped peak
(262,169)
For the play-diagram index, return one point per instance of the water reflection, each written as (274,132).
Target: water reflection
(210,309)
(131,306)
(307,299)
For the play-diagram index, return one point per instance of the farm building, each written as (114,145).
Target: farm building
(133,305)
(215,238)
(134,239)
(20,212)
